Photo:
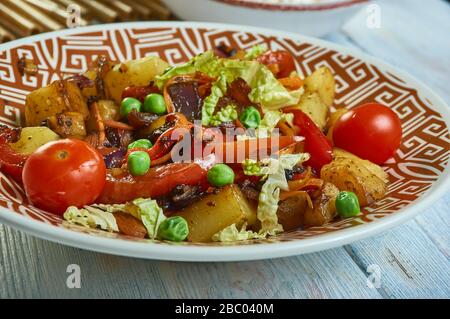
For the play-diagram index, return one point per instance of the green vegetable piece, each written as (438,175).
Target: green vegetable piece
(347,204)
(174,229)
(220,175)
(128,104)
(142,143)
(250,117)
(138,163)
(154,103)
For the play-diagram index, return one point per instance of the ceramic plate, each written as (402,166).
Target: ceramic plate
(419,173)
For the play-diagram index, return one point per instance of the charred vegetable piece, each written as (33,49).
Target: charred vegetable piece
(324,207)
(291,211)
(11,162)
(181,95)
(68,124)
(129,225)
(57,98)
(140,120)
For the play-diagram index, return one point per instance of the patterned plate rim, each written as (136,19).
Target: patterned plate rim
(241,252)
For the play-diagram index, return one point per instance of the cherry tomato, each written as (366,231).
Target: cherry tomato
(64,173)
(280,62)
(371,131)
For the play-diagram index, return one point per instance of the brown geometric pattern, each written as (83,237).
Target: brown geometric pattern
(419,162)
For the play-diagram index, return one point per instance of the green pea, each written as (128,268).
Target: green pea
(347,204)
(128,104)
(142,143)
(220,175)
(250,117)
(138,163)
(154,103)
(174,229)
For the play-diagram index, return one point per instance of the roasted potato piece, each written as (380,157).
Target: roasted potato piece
(291,212)
(334,116)
(322,81)
(324,207)
(33,137)
(353,174)
(58,97)
(68,124)
(311,104)
(216,211)
(373,168)
(134,72)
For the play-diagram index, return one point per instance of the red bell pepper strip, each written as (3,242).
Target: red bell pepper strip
(11,162)
(316,143)
(238,151)
(159,181)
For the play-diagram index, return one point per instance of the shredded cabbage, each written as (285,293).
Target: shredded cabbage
(91,217)
(266,89)
(100,215)
(148,211)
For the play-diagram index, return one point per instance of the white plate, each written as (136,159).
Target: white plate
(421,169)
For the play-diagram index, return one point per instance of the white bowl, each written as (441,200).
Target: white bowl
(308,19)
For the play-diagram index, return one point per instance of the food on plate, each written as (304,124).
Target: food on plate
(232,145)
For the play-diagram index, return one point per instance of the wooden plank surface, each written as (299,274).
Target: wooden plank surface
(413,259)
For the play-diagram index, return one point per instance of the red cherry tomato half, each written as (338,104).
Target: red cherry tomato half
(64,173)
(371,131)
(280,61)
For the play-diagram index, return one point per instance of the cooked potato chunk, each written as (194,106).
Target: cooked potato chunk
(33,137)
(355,175)
(322,81)
(58,97)
(291,212)
(311,104)
(216,211)
(373,168)
(134,72)
(324,207)
(68,124)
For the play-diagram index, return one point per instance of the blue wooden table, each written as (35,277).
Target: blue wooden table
(412,260)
